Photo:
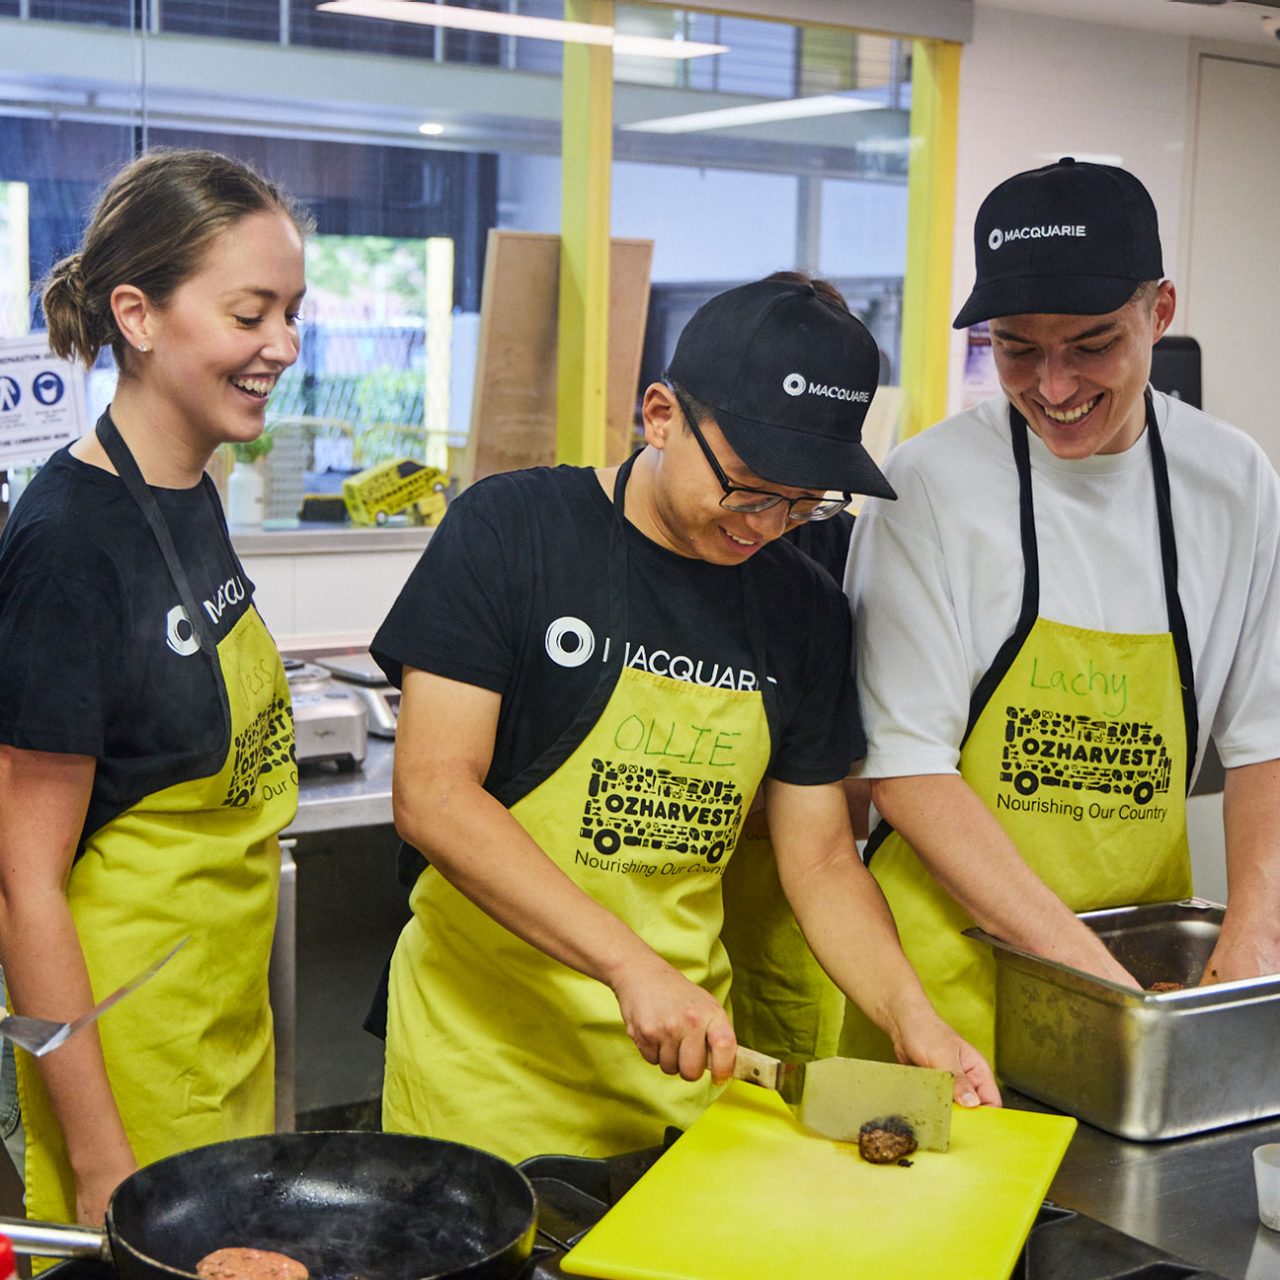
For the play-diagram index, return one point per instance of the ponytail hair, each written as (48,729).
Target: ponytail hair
(151,229)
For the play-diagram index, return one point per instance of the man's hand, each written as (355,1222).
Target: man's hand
(1239,954)
(929,1042)
(675,1024)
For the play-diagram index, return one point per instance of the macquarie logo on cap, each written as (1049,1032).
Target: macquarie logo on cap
(796,384)
(1052,231)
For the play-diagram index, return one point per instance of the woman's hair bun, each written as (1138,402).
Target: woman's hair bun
(73,331)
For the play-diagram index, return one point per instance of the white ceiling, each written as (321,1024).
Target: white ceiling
(1239,21)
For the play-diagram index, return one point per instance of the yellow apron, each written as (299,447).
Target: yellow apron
(783,1002)
(492,1043)
(189,1055)
(1082,744)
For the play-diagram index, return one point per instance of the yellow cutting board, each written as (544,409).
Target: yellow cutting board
(748,1193)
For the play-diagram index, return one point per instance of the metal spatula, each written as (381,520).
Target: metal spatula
(39,1036)
(836,1096)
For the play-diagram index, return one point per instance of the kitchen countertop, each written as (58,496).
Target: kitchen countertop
(1191,1197)
(330,800)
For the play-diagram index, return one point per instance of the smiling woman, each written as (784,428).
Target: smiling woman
(146,745)
(196,287)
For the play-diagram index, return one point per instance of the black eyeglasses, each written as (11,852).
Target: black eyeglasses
(749,501)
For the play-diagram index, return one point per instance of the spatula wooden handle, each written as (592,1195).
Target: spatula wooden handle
(756,1068)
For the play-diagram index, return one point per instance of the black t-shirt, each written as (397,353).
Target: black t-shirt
(826,541)
(512,595)
(97,656)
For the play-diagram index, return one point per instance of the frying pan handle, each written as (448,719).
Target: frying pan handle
(757,1068)
(55,1239)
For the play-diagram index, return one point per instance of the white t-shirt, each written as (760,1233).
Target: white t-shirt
(936,577)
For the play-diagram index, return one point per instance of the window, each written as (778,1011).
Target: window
(331,106)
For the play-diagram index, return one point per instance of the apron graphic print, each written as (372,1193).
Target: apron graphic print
(636,806)
(1047,750)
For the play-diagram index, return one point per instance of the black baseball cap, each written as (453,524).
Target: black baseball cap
(789,377)
(1073,238)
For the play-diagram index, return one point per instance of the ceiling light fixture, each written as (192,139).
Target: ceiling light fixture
(430,129)
(827,104)
(515,24)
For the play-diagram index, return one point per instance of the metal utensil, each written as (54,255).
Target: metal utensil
(837,1096)
(39,1036)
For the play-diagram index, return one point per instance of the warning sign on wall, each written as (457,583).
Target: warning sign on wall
(42,403)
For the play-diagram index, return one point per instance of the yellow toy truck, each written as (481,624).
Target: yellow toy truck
(375,494)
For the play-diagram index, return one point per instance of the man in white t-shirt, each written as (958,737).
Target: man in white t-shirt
(1077,585)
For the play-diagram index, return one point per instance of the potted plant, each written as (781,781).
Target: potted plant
(244,484)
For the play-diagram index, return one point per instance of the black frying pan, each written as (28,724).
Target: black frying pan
(372,1206)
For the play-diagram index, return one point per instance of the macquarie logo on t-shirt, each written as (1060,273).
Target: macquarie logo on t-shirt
(570,642)
(181,636)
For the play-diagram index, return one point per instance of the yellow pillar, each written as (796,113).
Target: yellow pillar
(586,153)
(931,212)
(439,350)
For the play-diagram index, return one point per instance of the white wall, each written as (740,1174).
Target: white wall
(329,598)
(685,212)
(1232,272)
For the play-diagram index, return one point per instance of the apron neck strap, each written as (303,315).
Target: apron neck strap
(1019,431)
(753,605)
(620,487)
(1173,602)
(127,468)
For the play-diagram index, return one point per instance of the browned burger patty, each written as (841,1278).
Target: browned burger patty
(886,1140)
(249,1264)
(1167,986)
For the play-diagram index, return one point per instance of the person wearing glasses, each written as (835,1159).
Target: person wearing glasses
(784,1004)
(599,669)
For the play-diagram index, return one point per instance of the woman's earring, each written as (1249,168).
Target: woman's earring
(142,346)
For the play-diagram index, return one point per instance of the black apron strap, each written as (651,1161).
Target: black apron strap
(592,709)
(127,469)
(1173,602)
(1027,612)
(1008,651)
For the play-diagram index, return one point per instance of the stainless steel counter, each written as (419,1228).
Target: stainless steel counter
(1192,1197)
(330,800)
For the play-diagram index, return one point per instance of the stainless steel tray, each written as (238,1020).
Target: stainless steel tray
(1141,1065)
